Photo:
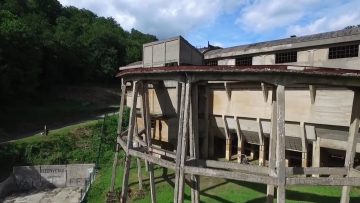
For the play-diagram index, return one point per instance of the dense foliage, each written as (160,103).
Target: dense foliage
(43,44)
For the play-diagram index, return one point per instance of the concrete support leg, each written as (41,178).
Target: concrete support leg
(228,149)
(316,154)
(252,152)
(261,155)
(304,160)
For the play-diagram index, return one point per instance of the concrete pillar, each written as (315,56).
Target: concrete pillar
(240,150)
(287,162)
(261,155)
(252,152)
(228,149)
(304,160)
(316,154)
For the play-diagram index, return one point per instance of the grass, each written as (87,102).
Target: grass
(212,189)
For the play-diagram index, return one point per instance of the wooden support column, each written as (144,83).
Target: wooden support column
(240,144)
(138,161)
(261,144)
(228,140)
(181,145)
(119,130)
(194,142)
(280,146)
(272,147)
(147,125)
(124,192)
(351,144)
(304,152)
(205,139)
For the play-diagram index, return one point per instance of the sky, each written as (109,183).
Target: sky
(226,23)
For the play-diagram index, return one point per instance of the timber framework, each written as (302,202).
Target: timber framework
(193,86)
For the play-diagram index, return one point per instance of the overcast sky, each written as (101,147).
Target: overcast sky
(227,22)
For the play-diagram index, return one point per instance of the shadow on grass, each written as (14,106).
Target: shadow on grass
(290,194)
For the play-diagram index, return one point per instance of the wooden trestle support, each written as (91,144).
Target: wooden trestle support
(186,159)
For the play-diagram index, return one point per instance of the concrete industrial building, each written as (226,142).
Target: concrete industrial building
(237,115)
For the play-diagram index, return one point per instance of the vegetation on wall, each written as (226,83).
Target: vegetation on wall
(45,44)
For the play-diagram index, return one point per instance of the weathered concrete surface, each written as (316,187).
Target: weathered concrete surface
(49,176)
(57,195)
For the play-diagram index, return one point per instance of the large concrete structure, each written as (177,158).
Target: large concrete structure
(235,101)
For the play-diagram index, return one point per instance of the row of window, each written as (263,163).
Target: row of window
(289,57)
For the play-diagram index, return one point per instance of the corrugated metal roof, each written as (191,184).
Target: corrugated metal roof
(291,40)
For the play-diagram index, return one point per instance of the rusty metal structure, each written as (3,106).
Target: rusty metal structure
(195,90)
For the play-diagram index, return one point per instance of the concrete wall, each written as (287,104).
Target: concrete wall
(47,176)
(310,57)
(175,49)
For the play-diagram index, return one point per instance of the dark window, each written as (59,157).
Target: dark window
(211,63)
(286,57)
(171,64)
(344,51)
(243,61)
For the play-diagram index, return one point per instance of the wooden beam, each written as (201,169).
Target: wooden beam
(147,122)
(280,146)
(205,139)
(246,168)
(331,181)
(272,146)
(119,129)
(184,142)
(152,159)
(351,149)
(316,170)
(179,142)
(138,161)
(194,142)
(232,175)
(124,191)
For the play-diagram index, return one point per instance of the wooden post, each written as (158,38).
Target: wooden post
(205,139)
(280,146)
(240,144)
(352,141)
(179,142)
(261,144)
(303,145)
(272,146)
(194,142)
(124,192)
(147,122)
(181,155)
(138,161)
(228,142)
(119,129)
(143,115)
